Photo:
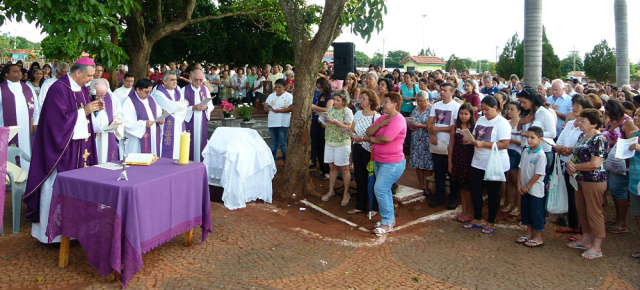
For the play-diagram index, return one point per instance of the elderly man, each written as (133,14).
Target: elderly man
(63,69)
(489,89)
(127,84)
(170,99)
(16,109)
(198,114)
(140,114)
(62,141)
(109,121)
(560,103)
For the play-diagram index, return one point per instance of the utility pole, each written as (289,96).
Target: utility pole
(496,54)
(424,28)
(574,58)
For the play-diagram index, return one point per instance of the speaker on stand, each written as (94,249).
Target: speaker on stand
(344,59)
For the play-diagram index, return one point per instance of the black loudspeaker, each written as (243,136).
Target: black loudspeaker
(344,59)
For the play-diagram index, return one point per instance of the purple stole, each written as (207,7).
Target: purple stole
(141,112)
(9,107)
(112,147)
(168,138)
(189,96)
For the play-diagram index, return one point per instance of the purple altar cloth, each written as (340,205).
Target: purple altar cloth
(118,221)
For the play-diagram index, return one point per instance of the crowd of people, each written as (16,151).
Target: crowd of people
(495,142)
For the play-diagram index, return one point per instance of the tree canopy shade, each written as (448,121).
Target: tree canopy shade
(362,17)
(567,64)
(60,48)
(600,63)
(506,62)
(455,62)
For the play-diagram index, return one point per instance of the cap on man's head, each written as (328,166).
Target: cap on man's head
(85,61)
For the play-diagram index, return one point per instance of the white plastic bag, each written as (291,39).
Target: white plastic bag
(494,171)
(557,200)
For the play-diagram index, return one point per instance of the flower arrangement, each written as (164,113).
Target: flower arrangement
(245,111)
(227,107)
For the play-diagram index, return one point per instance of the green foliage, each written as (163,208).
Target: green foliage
(567,64)
(394,57)
(86,23)
(377,59)
(362,59)
(363,17)
(506,63)
(455,62)
(8,43)
(427,52)
(60,48)
(600,63)
(550,61)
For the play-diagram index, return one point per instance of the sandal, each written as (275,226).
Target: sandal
(327,196)
(507,209)
(345,202)
(567,231)
(460,218)
(355,211)
(635,254)
(533,244)
(381,231)
(618,230)
(471,225)
(610,222)
(515,212)
(522,240)
(576,245)
(488,230)
(590,256)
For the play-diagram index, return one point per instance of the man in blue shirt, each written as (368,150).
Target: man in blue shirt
(560,103)
(489,89)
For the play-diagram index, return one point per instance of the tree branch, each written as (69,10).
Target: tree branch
(327,31)
(159,12)
(295,24)
(229,14)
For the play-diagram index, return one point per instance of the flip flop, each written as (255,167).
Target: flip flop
(591,256)
(576,245)
(533,244)
(470,226)
(573,239)
(567,231)
(488,230)
(618,230)
(460,218)
(635,254)
(522,240)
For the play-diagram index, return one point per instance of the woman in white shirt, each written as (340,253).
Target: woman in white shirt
(279,104)
(239,85)
(568,138)
(535,114)
(491,128)
(258,86)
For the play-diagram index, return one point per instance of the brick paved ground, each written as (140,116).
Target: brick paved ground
(265,247)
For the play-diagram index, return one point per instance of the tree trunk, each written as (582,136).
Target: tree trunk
(308,55)
(622,42)
(532,42)
(138,46)
(113,71)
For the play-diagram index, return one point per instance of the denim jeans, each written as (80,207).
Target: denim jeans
(279,137)
(386,175)
(532,209)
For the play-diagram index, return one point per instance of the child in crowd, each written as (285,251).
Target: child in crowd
(531,187)
(460,160)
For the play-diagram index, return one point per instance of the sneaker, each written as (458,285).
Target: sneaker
(452,203)
(515,212)
(436,201)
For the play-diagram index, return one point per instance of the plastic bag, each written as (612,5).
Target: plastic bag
(494,171)
(613,164)
(557,200)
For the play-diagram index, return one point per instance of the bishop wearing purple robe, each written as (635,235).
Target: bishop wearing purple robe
(63,141)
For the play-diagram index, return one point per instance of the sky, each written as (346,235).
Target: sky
(471,28)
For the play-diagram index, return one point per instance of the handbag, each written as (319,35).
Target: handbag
(557,199)
(613,164)
(494,171)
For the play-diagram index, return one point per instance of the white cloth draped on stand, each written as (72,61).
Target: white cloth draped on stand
(239,160)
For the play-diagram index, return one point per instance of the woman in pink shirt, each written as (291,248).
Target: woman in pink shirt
(387,136)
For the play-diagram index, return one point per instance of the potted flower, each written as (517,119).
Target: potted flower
(227,108)
(245,111)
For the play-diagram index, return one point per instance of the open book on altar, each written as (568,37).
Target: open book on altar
(141,159)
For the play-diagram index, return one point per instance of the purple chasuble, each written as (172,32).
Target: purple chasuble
(54,147)
(189,95)
(9,107)
(169,124)
(112,147)
(141,113)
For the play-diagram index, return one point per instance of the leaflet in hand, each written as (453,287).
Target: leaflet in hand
(410,120)
(13,130)
(206,101)
(162,117)
(466,134)
(111,128)
(549,141)
(324,119)
(347,131)
(622,148)
(441,148)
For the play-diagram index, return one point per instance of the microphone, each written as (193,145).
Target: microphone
(93,98)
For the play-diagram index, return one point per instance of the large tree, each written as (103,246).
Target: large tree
(532,42)
(506,63)
(455,62)
(622,42)
(363,16)
(362,59)
(394,57)
(551,65)
(600,63)
(567,64)
(60,48)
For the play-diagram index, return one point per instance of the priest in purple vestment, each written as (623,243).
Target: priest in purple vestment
(63,141)
(197,115)
(168,97)
(140,114)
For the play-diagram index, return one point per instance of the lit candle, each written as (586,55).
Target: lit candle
(185,140)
